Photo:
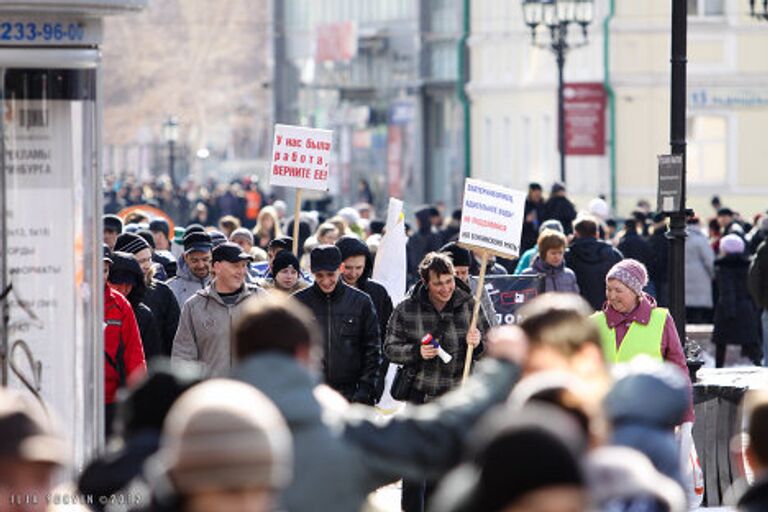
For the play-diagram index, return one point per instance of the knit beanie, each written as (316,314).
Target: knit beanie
(630,272)
(225,434)
(130,242)
(732,244)
(284,259)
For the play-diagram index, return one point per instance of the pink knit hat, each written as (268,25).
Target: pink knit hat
(630,272)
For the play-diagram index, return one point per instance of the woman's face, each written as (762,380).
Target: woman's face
(286,278)
(620,296)
(267,223)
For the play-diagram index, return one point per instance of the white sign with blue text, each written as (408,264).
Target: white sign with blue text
(492,218)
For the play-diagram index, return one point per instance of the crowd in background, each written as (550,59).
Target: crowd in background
(242,376)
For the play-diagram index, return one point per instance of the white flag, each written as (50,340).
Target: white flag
(390,265)
(389,270)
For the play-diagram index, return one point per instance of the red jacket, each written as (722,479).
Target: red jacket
(120,326)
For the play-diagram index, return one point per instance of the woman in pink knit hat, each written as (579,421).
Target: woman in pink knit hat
(631,324)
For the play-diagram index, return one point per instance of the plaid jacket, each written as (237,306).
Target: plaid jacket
(415,317)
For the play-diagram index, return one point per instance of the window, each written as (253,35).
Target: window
(707,154)
(702,8)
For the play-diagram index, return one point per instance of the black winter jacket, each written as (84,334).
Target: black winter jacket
(736,319)
(562,209)
(758,276)
(351,342)
(591,259)
(755,499)
(161,300)
(633,246)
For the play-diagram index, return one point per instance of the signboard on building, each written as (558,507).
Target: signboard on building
(301,157)
(727,97)
(336,41)
(584,105)
(492,218)
(670,183)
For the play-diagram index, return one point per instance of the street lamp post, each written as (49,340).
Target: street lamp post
(171,135)
(557,16)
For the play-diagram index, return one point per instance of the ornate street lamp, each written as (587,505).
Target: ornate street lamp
(557,16)
(171,135)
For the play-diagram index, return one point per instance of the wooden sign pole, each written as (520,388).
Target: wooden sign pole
(296,220)
(475,313)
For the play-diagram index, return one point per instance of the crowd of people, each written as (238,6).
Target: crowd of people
(243,367)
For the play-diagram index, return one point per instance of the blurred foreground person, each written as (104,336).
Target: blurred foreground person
(521,464)
(140,423)
(755,498)
(342,452)
(224,446)
(30,454)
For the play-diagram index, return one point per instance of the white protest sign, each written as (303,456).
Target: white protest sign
(492,218)
(301,157)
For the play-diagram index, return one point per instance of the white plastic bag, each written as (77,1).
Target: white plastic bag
(693,476)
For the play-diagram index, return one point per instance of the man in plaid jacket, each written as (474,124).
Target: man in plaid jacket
(440,305)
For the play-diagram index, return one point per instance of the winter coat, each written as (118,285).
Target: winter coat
(419,245)
(556,279)
(107,475)
(184,285)
(562,209)
(161,300)
(205,327)
(120,330)
(699,270)
(415,317)
(659,243)
(736,318)
(758,276)
(591,259)
(341,456)
(633,246)
(351,344)
(755,498)
(149,331)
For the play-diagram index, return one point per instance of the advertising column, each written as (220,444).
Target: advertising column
(48,123)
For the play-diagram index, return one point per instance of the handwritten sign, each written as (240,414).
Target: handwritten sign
(301,157)
(492,218)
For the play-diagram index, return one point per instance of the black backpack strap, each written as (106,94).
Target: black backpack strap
(118,363)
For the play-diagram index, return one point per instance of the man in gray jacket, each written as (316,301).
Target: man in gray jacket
(194,273)
(207,317)
(342,452)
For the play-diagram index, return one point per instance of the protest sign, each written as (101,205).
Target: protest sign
(300,159)
(491,223)
(492,218)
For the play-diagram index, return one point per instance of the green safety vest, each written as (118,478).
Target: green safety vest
(639,340)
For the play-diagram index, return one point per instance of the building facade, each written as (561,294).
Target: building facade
(383,76)
(514,112)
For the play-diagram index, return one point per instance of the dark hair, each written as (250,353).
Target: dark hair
(436,262)
(550,239)
(585,227)
(560,321)
(534,186)
(273,323)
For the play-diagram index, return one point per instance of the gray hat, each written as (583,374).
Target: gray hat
(225,434)
(241,233)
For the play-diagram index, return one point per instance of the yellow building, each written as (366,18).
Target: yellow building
(514,112)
